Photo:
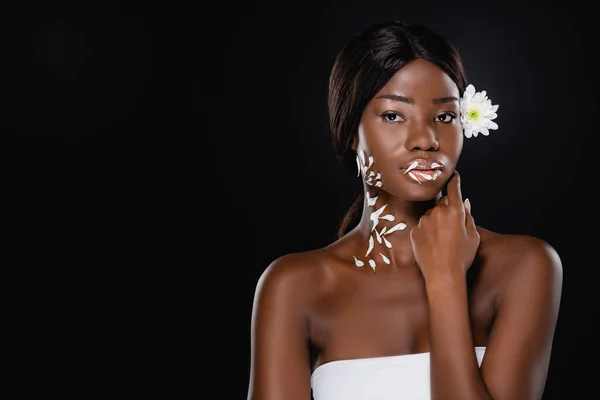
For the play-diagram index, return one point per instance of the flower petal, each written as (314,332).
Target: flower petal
(470,91)
(372,264)
(398,227)
(387,243)
(375,214)
(378,236)
(371,200)
(371,244)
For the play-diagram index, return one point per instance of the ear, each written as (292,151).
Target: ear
(354,143)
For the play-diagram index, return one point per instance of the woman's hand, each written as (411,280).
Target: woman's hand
(446,239)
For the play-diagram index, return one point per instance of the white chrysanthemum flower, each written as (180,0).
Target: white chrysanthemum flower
(477,113)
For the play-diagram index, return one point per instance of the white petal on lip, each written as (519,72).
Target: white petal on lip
(411,166)
(414,177)
(426,176)
(435,165)
(385,259)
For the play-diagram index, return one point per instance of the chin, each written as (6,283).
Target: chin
(415,192)
(425,194)
(406,190)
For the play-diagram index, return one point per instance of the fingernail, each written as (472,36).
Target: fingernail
(468,204)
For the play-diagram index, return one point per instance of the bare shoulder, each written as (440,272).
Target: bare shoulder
(293,276)
(521,256)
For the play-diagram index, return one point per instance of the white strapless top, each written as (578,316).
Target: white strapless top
(403,377)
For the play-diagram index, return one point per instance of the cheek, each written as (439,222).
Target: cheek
(381,150)
(451,143)
(384,162)
(377,140)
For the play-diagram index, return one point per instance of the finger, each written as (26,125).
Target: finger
(413,233)
(467,204)
(454,192)
(443,201)
(469,221)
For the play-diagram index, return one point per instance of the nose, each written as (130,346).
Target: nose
(421,136)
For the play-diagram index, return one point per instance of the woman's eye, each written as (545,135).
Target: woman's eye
(392,117)
(445,118)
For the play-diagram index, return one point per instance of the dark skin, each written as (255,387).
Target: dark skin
(451,285)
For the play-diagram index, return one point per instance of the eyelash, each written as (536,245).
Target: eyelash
(387,114)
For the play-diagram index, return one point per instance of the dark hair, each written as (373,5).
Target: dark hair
(363,66)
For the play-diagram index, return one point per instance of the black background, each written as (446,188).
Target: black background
(158,159)
(532,176)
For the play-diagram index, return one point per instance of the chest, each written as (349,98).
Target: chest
(385,317)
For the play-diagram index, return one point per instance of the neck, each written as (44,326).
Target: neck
(384,229)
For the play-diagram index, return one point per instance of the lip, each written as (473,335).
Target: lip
(424,175)
(422,170)
(422,164)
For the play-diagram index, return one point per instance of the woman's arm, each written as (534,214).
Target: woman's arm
(515,365)
(280,367)
(516,361)
(518,354)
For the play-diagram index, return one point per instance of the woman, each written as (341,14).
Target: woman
(414,300)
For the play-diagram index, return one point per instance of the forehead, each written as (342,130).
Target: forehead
(421,79)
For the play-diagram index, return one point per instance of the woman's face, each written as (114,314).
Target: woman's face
(413,121)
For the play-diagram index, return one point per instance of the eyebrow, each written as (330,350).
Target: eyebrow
(408,100)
